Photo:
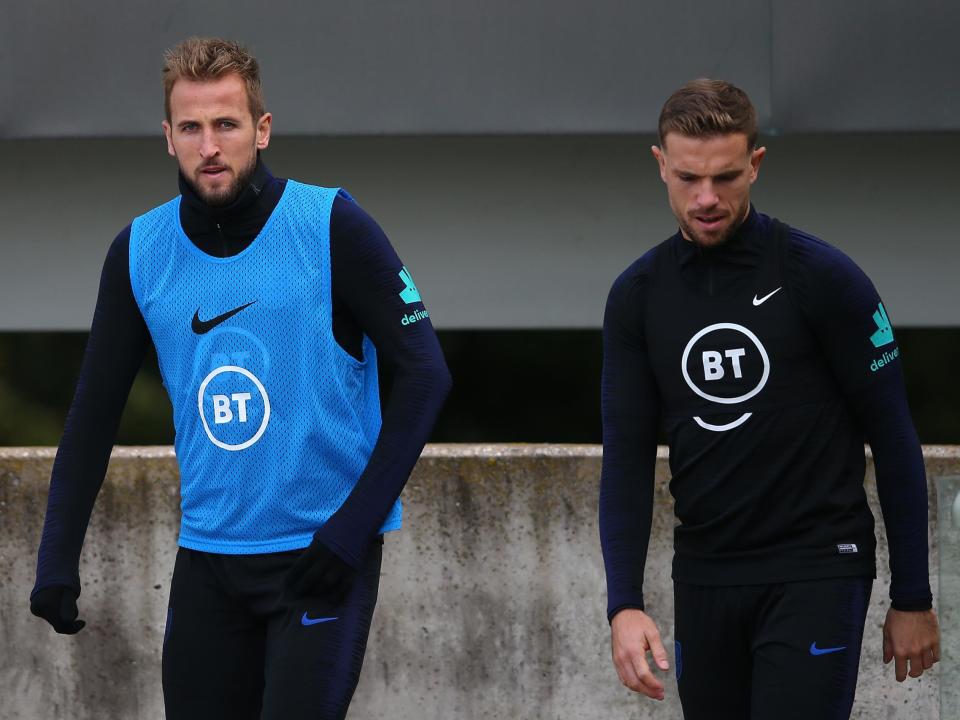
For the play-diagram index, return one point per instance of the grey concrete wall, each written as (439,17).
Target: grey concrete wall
(430,66)
(492,596)
(498,232)
(948,498)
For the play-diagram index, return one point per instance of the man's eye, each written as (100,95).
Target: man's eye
(227,124)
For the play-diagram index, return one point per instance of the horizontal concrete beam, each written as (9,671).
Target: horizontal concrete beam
(500,207)
(538,66)
(492,601)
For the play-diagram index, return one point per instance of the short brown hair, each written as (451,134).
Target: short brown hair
(703,108)
(199,58)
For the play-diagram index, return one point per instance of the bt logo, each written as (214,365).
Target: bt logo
(713,363)
(233,403)
(238,404)
(733,365)
(221,407)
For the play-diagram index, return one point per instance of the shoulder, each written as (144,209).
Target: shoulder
(626,302)
(358,245)
(347,211)
(153,226)
(353,230)
(824,281)
(118,255)
(811,259)
(120,246)
(333,193)
(162,210)
(115,279)
(633,281)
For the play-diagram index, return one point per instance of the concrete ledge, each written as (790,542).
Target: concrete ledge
(492,597)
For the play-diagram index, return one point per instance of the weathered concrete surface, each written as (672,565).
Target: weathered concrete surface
(492,597)
(948,494)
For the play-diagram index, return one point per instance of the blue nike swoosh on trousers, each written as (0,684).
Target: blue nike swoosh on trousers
(814,650)
(308,621)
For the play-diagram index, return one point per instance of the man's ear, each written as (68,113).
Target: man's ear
(264,126)
(756,157)
(661,161)
(168,134)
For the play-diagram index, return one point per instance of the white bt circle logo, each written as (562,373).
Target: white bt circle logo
(727,364)
(237,406)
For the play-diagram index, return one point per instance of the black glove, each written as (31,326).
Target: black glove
(57,605)
(319,572)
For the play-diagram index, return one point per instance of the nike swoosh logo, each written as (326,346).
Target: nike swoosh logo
(204,326)
(308,621)
(814,650)
(762,300)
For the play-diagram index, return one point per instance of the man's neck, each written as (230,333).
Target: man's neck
(246,198)
(228,230)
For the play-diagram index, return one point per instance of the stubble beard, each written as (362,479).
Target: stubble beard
(714,240)
(707,241)
(226,195)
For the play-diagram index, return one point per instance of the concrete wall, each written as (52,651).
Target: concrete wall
(948,498)
(492,597)
(72,69)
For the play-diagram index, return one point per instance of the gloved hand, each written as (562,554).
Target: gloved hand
(320,572)
(57,605)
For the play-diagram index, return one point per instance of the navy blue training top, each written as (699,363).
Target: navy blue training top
(767,465)
(364,270)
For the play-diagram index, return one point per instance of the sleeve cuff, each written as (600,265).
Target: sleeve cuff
(912,604)
(625,606)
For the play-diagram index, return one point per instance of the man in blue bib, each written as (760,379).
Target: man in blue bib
(267,301)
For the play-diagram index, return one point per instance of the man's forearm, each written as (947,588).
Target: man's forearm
(902,488)
(118,340)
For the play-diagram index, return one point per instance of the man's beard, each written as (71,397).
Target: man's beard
(698,239)
(229,194)
(714,240)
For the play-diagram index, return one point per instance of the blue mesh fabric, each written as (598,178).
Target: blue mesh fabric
(274,420)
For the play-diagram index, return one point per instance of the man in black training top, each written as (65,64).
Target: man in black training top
(267,301)
(768,357)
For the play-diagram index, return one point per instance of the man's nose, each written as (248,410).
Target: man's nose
(707,195)
(208,145)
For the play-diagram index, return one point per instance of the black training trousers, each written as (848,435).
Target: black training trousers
(770,652)
(236,648)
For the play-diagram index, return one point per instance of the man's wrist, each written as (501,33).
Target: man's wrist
(625,606)
(912,605)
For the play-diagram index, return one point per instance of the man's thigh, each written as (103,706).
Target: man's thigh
(807,649)
(315,650)
(213,649)
(712,660)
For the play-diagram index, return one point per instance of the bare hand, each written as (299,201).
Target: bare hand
(632,635)
(913,637)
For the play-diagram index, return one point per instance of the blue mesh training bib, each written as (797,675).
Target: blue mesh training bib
(274,420)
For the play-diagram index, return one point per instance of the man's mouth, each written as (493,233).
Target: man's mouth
(709,222)
(213,171)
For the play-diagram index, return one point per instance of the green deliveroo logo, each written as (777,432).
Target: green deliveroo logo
(884,334)
(409,294)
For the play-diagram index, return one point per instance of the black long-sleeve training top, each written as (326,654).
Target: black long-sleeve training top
(363,276)
(768,360)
